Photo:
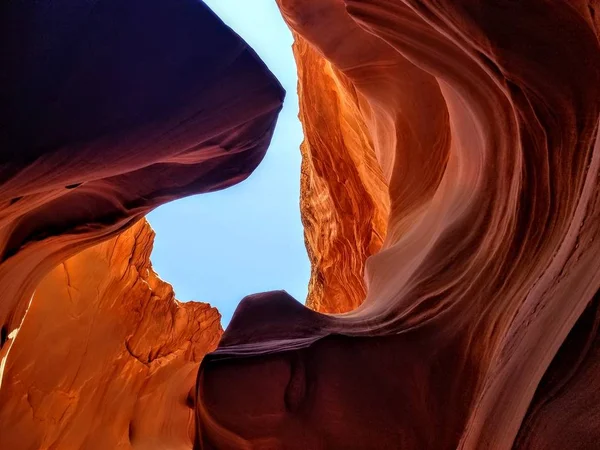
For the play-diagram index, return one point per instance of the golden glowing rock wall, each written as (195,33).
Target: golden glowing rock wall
(106,356)
(344,199)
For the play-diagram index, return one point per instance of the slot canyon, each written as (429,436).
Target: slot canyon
(450,198)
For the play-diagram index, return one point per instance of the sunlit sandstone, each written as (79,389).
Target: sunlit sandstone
(106,356)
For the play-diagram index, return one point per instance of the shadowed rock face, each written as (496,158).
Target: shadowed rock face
(479,325)
(108,110)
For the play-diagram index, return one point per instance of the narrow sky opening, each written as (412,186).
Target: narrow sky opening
(222,246)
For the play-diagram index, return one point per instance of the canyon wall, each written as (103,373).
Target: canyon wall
(479,325)
(106,357)
(343,198)
(110,109)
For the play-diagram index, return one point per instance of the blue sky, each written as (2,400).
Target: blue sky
(219,247)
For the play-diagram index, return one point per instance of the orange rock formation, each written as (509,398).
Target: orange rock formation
(344,200)
(106,357)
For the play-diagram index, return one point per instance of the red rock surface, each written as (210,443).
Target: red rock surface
(478,330)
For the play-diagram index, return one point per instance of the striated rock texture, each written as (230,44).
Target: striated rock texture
(479,329)
(106,357)
(343,198)
(108,110)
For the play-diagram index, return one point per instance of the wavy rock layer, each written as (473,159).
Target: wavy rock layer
(343,198)
(106,356)
(479,329)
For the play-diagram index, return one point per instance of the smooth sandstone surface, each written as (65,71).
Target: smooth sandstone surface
(479,325)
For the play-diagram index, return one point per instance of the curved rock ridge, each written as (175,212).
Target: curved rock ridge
(478,329)
(344,200)
(106,357)
(108,110)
